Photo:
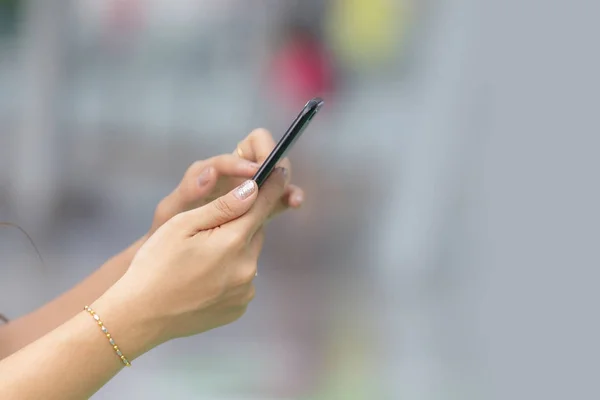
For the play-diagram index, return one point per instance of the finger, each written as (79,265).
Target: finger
(257,146)
(256,243)
(230,165)
(195,185)
(293,196)
(242,295)
(267,200)
(223,209)
(255,247)
(201,178)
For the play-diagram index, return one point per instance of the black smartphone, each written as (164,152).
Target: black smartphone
(289,138)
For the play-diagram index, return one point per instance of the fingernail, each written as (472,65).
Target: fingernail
(283,171)
(204,176)
(244,191)
(253,164)
(298,198)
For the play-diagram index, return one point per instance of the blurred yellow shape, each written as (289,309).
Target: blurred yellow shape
(368,32)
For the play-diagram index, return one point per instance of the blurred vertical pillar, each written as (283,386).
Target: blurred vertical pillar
(36,160)
(426,352)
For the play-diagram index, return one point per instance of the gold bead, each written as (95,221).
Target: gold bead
(100,323)
(123,358)
(116,347)
(108,335)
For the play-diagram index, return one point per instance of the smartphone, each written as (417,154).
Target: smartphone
(289,138)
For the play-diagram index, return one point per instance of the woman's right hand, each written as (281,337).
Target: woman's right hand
(195,273)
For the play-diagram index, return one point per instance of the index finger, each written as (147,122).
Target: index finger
(257,146)
(268,200)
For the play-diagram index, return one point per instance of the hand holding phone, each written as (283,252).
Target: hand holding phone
(290,137)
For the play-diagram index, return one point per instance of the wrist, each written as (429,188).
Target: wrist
(131,325)
(129,254)
(133,249)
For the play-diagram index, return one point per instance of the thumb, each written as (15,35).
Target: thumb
(223,209)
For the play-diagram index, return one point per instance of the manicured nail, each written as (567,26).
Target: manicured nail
(283,171)
(245,190)
(298,198)
(204,176)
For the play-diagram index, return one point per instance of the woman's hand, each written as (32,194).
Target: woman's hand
(209,179)
(203,182)
(195,273)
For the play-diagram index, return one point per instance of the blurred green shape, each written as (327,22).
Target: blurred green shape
(9,13)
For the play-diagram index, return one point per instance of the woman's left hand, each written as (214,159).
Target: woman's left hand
(209,179)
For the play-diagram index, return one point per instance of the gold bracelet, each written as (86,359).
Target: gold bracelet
(123,359)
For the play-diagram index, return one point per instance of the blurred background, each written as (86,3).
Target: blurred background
(104,104)
(382,286)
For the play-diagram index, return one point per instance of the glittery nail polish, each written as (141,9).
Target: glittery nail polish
(245,190)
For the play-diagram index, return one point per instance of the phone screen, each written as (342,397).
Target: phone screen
(289,138)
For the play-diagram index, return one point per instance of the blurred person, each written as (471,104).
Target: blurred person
(124,17)
(301,67)
(192,272)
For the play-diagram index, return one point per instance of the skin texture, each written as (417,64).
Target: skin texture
(194,274)
(61,325)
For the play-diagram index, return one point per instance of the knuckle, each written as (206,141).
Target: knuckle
(244,279)
(240,311)
(249,273)
(271,201)
(223,207)
(245,298)
(250,295)
(246,275)
(236,239)
(218,162)
(178,219)
(260,133)
(216,292)
(163,211)
(196,167)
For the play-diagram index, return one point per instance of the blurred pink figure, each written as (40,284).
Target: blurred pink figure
(124,19)
(125,15)
(302,69)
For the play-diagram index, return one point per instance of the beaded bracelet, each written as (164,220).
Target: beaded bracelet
(124,360)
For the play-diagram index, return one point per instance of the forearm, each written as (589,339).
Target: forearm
(76,359)
(22,331)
